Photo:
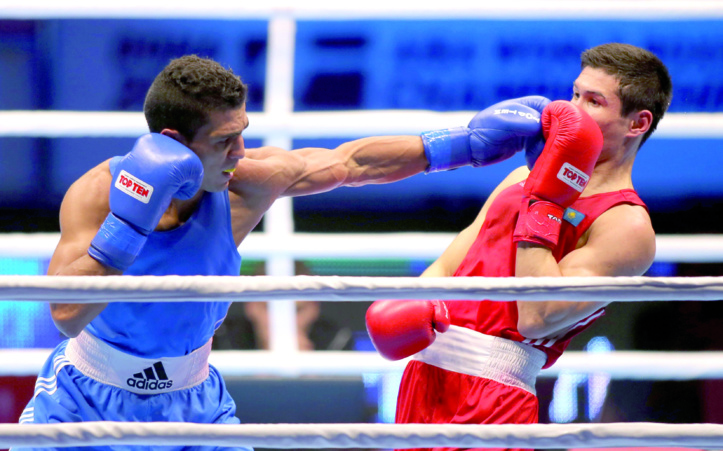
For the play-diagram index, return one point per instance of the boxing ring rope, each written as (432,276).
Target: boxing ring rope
(617,364)
(620,365)
(279,245)
(372,9)
(337,124)
(260,245)
(244,288)
(341,436)
(83,289)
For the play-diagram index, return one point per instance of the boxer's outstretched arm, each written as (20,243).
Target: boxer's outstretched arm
(267,173)
(494,134)
(382,159)
(621,242)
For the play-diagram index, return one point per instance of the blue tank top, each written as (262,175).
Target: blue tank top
(203,245)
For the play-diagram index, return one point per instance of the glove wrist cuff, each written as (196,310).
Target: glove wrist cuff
(447,149)
(539,222)
(117,243)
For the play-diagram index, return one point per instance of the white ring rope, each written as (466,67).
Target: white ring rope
(83,289)
(632,365)
(336,124)
(79,289)
(370,9)
(285,436)
(258,245)
(628,365)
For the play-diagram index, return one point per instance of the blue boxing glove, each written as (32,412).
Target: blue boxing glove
(157,169)
(494,134)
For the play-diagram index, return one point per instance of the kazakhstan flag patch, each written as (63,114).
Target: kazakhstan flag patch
(572,216)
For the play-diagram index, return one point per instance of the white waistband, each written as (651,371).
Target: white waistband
(102,362)
(469,352)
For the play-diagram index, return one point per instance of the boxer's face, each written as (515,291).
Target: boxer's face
(595,91)
(220,146)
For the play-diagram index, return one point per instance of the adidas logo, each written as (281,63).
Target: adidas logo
(152,378)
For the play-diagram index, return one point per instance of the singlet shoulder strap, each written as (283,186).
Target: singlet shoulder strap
(631,196)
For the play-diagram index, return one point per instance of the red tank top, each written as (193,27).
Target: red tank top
(493,255)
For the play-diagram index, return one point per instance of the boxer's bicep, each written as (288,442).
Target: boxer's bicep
(82,211)
(621,243)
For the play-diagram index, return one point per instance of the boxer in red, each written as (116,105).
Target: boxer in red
(575,213)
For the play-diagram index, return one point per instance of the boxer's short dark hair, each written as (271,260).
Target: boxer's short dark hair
(187,90)
(644,81)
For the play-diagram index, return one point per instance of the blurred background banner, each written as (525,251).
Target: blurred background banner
(439,65)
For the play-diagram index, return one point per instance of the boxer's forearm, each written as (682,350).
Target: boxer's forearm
(71,319)
(541,319)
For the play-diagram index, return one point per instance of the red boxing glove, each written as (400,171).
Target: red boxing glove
(574,142)
(399,329)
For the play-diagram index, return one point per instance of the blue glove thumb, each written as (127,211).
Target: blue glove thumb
(533,145)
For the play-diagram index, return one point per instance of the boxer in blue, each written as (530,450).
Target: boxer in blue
(180,203)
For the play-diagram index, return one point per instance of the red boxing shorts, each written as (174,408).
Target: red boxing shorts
(466,377)
(432,395)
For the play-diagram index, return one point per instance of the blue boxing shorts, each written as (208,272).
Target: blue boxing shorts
(181,389)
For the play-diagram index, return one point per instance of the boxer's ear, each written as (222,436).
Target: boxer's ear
(175,134)
(640,122)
